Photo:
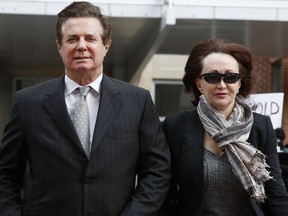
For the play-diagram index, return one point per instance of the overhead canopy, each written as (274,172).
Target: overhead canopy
(140,28)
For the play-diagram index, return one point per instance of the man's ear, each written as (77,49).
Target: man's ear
(107,45)
(59,47)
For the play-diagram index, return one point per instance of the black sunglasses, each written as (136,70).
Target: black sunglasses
(214,78)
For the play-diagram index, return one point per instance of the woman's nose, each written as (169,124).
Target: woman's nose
(221,84)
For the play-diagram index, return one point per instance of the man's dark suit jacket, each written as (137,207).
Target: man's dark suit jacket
(190,175)
(128,140)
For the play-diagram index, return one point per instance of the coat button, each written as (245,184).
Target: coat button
(87,182)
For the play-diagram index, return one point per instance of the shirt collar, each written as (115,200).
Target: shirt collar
(71,85)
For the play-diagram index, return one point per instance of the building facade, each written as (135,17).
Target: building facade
(151,40)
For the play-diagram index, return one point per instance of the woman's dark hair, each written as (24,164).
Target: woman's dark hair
(83,9)
(194,65)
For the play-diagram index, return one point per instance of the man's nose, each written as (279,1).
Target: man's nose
(82,44)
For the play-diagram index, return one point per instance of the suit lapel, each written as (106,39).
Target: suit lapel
(194,148)
(54,104)
(110,102)
(190,167)
(255,135)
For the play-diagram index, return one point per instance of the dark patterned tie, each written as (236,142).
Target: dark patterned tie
(81,119)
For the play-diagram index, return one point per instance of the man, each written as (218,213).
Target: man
(97,176)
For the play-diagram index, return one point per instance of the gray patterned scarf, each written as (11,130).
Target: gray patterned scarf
(247,162)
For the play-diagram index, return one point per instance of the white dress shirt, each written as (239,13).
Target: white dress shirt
(93,97)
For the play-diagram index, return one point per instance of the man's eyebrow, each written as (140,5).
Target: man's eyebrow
(71,35)
(91,34)
(75,35)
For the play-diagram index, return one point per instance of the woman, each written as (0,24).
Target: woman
(224,156)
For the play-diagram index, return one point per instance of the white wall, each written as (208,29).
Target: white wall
(269,10)
(162,67)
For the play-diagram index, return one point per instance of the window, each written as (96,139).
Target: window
(23,82)
(170,98)
(276,73)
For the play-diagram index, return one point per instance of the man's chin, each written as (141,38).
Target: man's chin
(82,67)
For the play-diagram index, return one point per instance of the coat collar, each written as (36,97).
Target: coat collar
(110,102)
(54,104)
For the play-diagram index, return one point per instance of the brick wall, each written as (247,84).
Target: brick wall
(284,80)
(262,74)
(264,83)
